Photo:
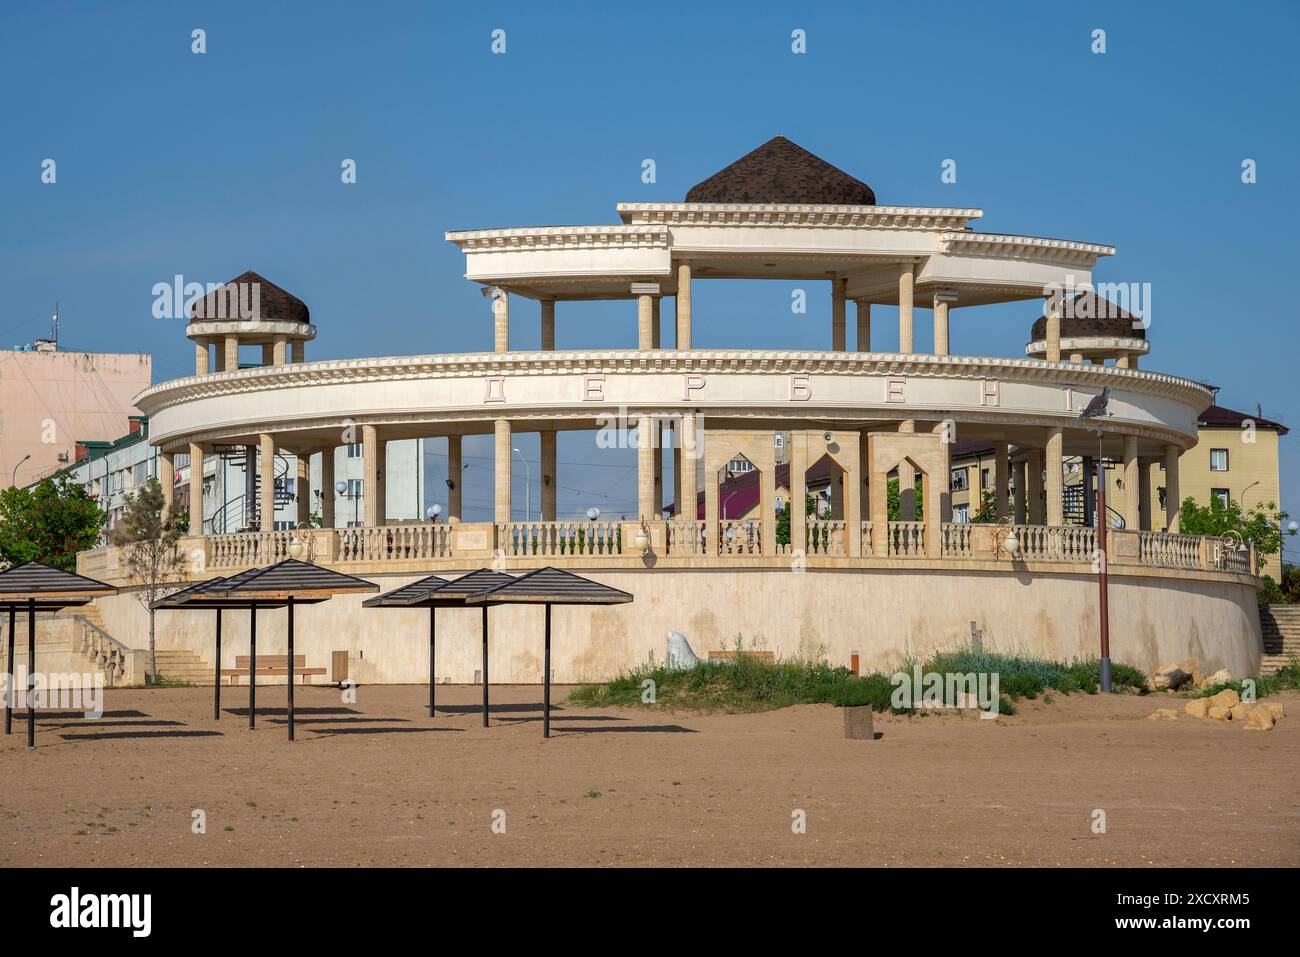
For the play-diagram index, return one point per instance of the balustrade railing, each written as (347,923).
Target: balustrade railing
(740,536)
(956,540)
(553,539)
(906,539)
(1169,551)
(254,548)
(826,537)
(1057,543)
(687,538)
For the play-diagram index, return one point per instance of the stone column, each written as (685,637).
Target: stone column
(864,480)
(548,325)
(690,454)
(280,350)
(500,320)
(167,479)
(266,471)
(864,326)
(684,306)
(767,511)
(1034,486)
(371,470)
(798,491)
(645,460)
(1022,493)
(943,481)
(201,357)
(231,349)
(455,475)
(1055,482)
(677,471)
(1132,484)
(657,433)
(1144,496)
(548,475)
(501,471)
(196,489)
(219,355)
(906,481)
(381,477)
(299,351)
(645,293)
(941,301)
(302,487)
(839,342)
(905,277)
(328,494)
(655,328)
(1173,500)
(1053,312)
(1001,478)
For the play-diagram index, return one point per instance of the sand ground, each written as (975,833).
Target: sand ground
(377,783)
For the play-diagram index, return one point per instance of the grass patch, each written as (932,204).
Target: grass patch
(1286,678)
(750,684)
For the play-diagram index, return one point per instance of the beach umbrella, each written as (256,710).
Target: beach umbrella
(35,587)
(549,586)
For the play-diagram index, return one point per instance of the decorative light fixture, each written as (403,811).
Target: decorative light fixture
(1005,540)
(593,513)
(434,511)
(642,538)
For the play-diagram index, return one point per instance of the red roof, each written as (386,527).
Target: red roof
(1217,417)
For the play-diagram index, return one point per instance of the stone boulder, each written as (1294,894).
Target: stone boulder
(1219,713)
(1220,677)
(1197,707)
(1240,711)
(1260,718)
(1224,699)
(1275,708)
(1163,714)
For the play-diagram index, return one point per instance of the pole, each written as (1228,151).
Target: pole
(216,675)
(546,679)
(485,668)
(433,642)
(31,673)
(290,667)
(252,666)
(9,686)
(1103,584)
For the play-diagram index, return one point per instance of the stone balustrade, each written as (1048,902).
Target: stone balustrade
(416,547)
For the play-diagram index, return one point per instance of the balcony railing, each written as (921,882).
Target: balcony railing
(682,540)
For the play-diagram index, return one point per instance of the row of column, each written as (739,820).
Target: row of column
(281,350)
(1035,502)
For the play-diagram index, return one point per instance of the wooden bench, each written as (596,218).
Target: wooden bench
(767,657)
(270,665)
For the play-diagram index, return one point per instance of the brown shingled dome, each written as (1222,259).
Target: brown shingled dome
(1088,315)
(273,303)
(782,172)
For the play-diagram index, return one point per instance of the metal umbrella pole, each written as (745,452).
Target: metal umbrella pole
(1103,582)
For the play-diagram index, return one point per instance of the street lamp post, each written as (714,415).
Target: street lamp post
(1094,412)
(13,479)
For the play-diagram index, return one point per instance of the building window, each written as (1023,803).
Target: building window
(961,514)
(354,488)
(984,479)
(779,441)
(1218,460)
(958,483)
(1221,494)
(354,450)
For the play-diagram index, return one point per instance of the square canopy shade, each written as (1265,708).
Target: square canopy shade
(36,587)
(434,593)
(549,586)
(284,584)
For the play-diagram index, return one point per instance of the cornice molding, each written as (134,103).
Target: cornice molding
(532,238)
(757,214)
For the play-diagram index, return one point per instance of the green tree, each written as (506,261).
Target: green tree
(1262,525)
(783,519)
(49,523)
(988,510)
(891,501)
(149,541)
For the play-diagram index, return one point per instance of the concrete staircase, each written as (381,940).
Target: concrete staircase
(1280,625)
(182,667)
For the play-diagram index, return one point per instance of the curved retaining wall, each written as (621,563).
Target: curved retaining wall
(884,615)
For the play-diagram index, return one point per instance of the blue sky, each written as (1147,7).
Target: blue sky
(170,162)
